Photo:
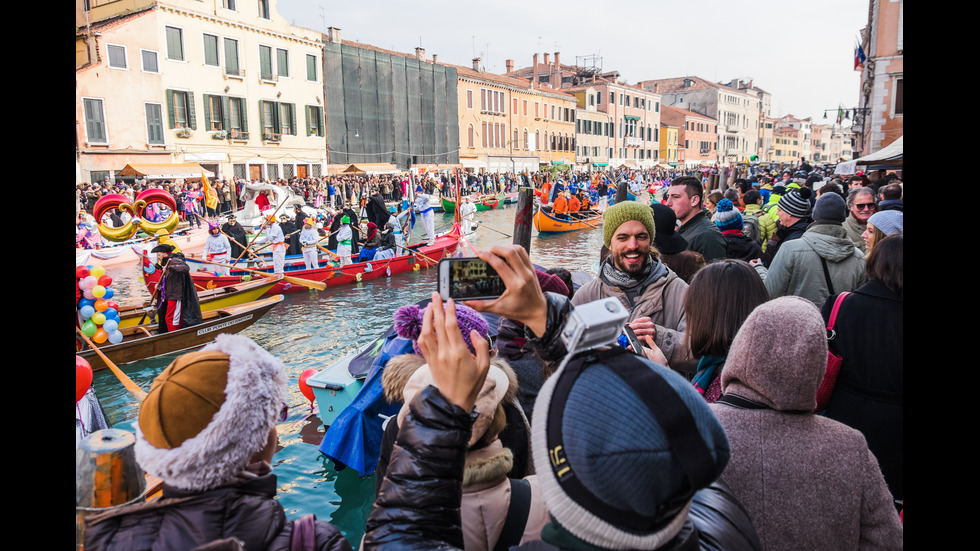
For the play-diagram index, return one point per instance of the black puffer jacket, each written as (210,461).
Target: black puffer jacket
(246,511)
(418,506)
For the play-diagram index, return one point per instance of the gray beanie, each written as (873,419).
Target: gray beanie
(796,202)
(620,474)
(830,208)
(889,222)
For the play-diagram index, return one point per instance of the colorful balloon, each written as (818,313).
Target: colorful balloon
(105,280)
(98,271)
(304,387)
(89,328)
(81,272)
(86,302)
(110,325)
(98,291)
(108,293)
(111,313)
(83,377)
(101,305)
(89,282)
(100,336)
(98,318)
(86,312)
(115,337)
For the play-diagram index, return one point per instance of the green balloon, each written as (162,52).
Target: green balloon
(89,328)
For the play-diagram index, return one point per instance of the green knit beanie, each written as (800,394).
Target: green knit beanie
(616,215)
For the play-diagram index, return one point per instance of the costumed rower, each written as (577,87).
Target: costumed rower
(308,239)
(216,247)
(394,225)
(177,305)
(467,211)
(273,234)
(344,236)
(236,235)
(424,208)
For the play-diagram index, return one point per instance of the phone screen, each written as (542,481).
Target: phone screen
(634,341)
(470,279)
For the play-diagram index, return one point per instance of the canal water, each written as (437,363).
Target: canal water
(313,329)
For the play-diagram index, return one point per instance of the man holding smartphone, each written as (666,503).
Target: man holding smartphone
(634,274)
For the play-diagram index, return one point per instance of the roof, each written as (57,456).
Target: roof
(504,80)
(167,171)
(672,85)
(686,112)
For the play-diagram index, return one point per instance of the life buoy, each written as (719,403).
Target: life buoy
(137,210)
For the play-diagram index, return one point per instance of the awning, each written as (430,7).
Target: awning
(600,164)
(890,155)
(371,168)
(631,117)
(170,171)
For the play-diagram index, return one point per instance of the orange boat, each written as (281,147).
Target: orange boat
(545,222)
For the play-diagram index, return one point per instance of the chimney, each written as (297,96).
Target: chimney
(420,53)
(510,65)
(435,58)
(534,77)
(557,59)
(656,87)
(546,58)
(333,35)
(476,64)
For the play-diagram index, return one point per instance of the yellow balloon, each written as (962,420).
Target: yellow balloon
(98,291)
(98,318)
(98,271)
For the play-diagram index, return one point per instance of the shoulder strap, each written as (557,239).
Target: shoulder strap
(520,505)
(303,537)
(832,321)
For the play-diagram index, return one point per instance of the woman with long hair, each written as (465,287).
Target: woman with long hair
(721,296)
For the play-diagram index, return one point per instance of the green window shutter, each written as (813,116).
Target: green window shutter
(306,111)
(292,119)
(244,116)
(170,109)
(319,115)
(261,115)
(277,118)
(207,112)
(225,113)
(191,118)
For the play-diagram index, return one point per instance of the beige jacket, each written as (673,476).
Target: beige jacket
(663,302)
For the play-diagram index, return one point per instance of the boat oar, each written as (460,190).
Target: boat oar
(496,230)
(132,387)
(412,251)
(319,285)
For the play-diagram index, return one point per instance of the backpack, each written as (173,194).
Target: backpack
(751,228)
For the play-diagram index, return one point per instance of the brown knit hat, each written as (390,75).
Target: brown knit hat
(209,412)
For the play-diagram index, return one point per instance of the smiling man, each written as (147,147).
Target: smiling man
(634,273)
(861,204)
(684,197)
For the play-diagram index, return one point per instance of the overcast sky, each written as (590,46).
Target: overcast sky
(800,52)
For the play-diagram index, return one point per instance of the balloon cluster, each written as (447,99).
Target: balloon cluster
(101,314)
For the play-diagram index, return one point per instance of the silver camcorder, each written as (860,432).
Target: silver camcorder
(594,324)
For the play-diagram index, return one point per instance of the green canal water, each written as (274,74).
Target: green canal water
(313,329)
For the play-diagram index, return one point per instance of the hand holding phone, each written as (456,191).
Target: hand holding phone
(469,278)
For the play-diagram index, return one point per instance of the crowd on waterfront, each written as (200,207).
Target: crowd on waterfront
(723,432)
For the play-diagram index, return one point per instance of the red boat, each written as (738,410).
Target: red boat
(423,256)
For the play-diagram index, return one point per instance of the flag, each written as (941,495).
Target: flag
(859,58)
(210,196)
(840,114)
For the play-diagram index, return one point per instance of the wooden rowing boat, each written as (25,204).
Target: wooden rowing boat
(487,202)
(210,299)
(546,222)
(422,255)
(145,341)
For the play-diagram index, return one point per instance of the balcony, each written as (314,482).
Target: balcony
(632,141)
(237,135)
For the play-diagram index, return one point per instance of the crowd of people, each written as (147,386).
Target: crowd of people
(708,436)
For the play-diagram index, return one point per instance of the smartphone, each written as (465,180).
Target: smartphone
(634,341)
(468,279)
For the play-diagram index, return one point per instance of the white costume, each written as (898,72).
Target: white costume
(423,208)
(217,249)
(344,236)
(467,211)
(395,225)
(308,238)
(274,235)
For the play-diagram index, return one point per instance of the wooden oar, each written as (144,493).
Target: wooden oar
(128,383)
(250,243)
(319,285)
(496,230)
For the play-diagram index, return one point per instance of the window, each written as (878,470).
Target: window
(94,120)
(238,125)
(150,62)
(265,63)
(314,120)
(117,56)
(228,4)
(287,119)
(484,136)
(211,50)
(276,119)
(524,105)
(311,67)
(214,112)
(282,62)
(180,109)
(537,112)
(515,106)
(469,135)
(469,100)
(231,57)
(899,96)
(154,124)
(175,44)
(264,9)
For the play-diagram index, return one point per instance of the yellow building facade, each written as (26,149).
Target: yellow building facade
(505,125)
(668,144)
